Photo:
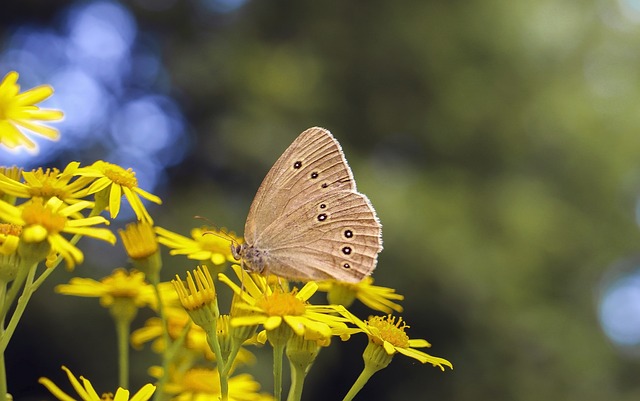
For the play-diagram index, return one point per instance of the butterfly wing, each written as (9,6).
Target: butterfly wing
(334,235)
(309,217)
(289,183)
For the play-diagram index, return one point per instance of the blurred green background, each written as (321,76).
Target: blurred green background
(498,141)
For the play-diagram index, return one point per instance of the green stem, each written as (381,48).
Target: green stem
(298,374)
(278,351)
(159,393)
(278,338)
(16,286)
(3,379)
(123,329)
(20,308)
(232,357)
(364,377)
(169,356)
(36,284)
(214,344)
(123,360)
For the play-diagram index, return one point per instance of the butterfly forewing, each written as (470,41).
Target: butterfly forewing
(289,183)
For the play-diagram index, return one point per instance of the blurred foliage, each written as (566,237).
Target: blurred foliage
(497,140)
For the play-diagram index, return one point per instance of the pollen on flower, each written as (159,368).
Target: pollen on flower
(10,229)
(281,304)
(390,330)
(36,213)
(120,176)
(106,397)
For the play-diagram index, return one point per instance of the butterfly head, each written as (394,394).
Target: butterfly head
(237,250)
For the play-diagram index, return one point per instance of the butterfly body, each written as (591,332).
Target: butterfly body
(307,220)
(253,260)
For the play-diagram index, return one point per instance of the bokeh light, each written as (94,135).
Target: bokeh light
(110,83)
(619,304)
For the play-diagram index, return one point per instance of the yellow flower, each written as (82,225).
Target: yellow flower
(202,384)
(46,184)
(195,341)
(205,244)
(177,319)
(111,182)
(199,300)
(42,221)
(390,335)
(87,393)
(201,289)
(272,308)
(139,240)
(375,297)
(12,174)
(141,245)
(20,110)
(9,238)
(120,284)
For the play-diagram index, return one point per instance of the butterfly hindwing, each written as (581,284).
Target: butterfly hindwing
(341,239)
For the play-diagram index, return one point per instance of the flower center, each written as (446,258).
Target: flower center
(120,176)
(47,179)
(390,330)
(281,304)
(36,213)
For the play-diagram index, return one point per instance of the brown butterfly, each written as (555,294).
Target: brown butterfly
(307,220)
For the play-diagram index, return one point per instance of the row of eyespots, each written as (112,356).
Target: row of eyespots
(298,164)
(323,216)
(347,234)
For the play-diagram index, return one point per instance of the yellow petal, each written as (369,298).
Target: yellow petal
(34,95)
(11,137)
(121,395)
(55,390)
(144,393)
(90,391)
(272,322)
(137,205)
(115,199)
(419,343)
(296,323)
(307,291)
(76,384)
(250,320)
(48,132)
(43,114)
(389,348)
(148,196)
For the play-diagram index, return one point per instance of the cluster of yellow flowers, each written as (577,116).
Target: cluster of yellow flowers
(44,213)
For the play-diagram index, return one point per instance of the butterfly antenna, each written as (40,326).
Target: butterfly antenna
(219,232)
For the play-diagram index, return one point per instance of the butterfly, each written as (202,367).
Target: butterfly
(307,220)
